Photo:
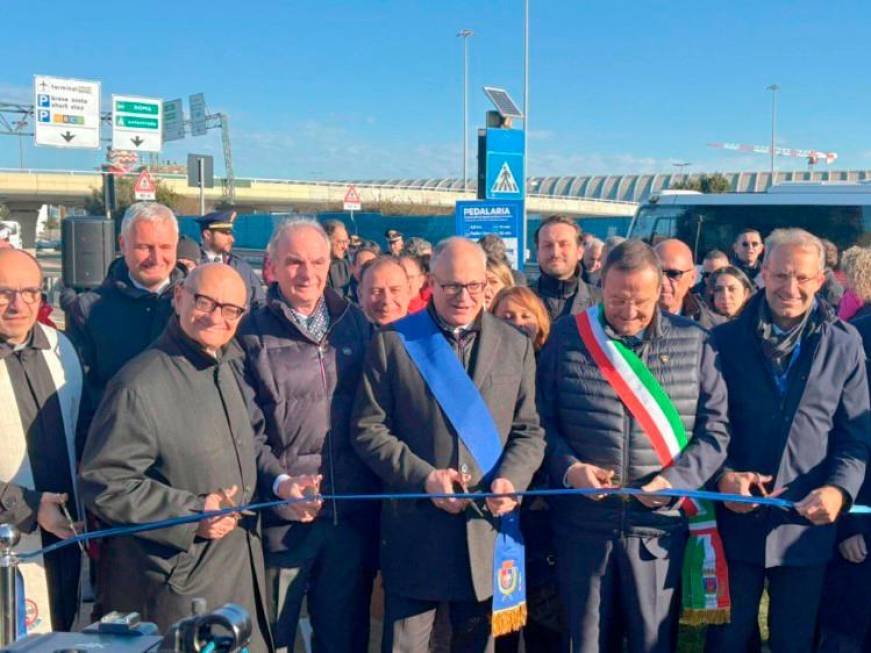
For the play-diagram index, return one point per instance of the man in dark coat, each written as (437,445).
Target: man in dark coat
(120,319)
(799,415)
(40,398)
(559,285)
(678,277)
(845,610)
(151,456)
(619,562)
(216,232)
(442,551)
(747,252)
(304,354)
(340,268)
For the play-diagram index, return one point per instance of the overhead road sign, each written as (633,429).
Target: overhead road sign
(198,114)
(137,123)
(173,120)
(144,189)
(503,102)
(475,219)
(352,200)
(67,112)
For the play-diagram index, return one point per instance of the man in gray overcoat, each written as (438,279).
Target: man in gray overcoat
(174,437)
(443,550)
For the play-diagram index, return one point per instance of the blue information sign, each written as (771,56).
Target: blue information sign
(504,218)
(504,165)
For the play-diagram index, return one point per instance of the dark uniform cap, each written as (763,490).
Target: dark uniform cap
(188,248)
(222,220)
(355,241)
(392,235)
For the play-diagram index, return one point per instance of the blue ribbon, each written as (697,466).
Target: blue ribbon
(771,502)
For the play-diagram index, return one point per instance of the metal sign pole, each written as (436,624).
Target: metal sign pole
(201,167)
(9,537)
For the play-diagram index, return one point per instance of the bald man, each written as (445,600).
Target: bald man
(40,395)
(385,290)
(420,374)
(177,434)
(678,278)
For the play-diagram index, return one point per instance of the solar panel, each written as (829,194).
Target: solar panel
(503,102)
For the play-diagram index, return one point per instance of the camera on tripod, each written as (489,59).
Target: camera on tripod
(225,630)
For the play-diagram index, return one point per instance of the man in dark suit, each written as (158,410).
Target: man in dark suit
(216,230)
(799,414)
(442,551)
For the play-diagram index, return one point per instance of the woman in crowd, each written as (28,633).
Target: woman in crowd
(498,277)
(731,289)
(522,307)
(416,269)
(856,302)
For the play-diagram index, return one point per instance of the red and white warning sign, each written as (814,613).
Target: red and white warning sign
(144,188)
(352,200)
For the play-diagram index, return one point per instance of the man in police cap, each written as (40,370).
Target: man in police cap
(216,230)
(395,241)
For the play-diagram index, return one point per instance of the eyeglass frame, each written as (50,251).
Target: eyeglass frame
(5,292)
(456,289)
(215,305)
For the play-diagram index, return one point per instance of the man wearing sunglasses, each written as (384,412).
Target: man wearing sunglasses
(678,277)
(747,253)
(178,434)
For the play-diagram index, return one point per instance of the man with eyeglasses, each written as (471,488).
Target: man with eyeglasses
(799,416)
(177,434)
(437,386)
(340,268)
(304,355)
(678,277)
(747,253)
(40,399)
(216,231)
(713,261)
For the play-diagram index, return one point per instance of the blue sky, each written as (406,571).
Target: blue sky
(366,89)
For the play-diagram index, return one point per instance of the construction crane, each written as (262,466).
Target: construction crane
(812,156)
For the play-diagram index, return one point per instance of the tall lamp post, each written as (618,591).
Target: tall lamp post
(682,166)
(522,254)
(773,88)
(465,34)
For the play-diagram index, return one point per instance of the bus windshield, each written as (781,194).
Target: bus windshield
(715,227)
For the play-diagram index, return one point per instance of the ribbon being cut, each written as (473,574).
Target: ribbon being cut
(705,584)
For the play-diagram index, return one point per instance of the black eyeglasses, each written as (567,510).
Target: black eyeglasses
(675,274)
(456,289)
(28,295)
(750,244)
(206,304)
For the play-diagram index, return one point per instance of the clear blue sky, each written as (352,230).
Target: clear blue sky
(373,89)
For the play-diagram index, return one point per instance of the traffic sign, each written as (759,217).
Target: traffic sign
(198,114)
(173,120)
(475,219)
(136,123)
(67,112)
(503,173)
(144,188)
(352,200)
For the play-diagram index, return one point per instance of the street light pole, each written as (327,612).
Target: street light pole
(465,34)
(773,88)
(521,255)
(682,166)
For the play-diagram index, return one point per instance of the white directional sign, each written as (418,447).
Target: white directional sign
(66,112)
(137,123)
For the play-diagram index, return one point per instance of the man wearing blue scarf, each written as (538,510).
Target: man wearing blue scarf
(447,404)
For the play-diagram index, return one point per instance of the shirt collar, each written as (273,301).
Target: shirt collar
(35,340)
(154,291)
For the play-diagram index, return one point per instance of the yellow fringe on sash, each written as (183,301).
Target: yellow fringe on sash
(509,620)
(713,616)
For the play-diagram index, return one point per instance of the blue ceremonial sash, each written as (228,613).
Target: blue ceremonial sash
(464,408)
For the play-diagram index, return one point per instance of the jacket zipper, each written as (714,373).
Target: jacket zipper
(330,452)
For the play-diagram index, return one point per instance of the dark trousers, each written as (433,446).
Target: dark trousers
(845,611)
(794,596)
(619,587)
(333,567)
(408,625)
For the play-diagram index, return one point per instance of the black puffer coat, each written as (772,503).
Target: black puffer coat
(306,391)
(565,297)
(585,421)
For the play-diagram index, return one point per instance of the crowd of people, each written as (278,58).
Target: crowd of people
(181,385)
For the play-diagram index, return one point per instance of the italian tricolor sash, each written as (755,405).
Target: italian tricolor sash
(705,576)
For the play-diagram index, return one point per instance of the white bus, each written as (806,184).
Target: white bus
(840,212)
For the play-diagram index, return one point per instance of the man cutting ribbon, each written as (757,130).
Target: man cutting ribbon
(447,405)
(631,396)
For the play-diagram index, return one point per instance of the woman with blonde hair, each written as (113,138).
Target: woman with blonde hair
(522,308)
(856,302)
(498,277)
